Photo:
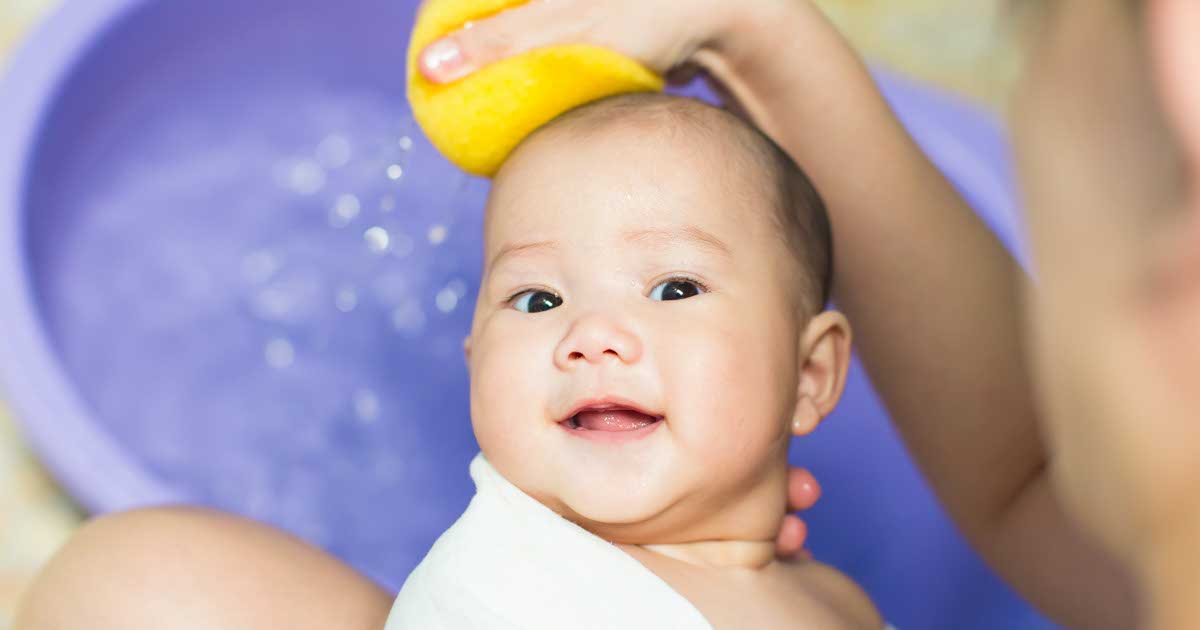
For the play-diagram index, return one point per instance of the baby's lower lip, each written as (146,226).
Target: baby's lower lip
(612,437)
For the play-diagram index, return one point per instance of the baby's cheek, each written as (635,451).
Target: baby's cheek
(728,357)
(738,382)
(722,381)
(502,375)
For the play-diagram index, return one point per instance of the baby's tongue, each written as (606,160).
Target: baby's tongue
(612,420)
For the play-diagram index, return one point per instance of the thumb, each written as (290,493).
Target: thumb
(536,24)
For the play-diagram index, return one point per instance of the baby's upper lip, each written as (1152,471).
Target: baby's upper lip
(605,403)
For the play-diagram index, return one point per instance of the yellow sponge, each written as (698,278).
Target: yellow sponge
(477,121)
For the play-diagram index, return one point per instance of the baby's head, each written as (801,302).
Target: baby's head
(649,332)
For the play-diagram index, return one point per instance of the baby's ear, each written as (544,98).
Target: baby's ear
(467,348)
(825,346)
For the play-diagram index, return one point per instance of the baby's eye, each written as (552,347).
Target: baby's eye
(536,301)
(676,289)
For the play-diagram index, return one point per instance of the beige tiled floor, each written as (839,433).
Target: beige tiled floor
(959,44)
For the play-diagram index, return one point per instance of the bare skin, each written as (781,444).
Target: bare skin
(749,590)
(1108,145)
(193,569)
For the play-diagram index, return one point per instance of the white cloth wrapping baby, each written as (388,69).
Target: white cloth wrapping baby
(511,563)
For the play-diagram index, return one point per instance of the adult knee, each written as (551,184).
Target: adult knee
(123,570)
(183,567)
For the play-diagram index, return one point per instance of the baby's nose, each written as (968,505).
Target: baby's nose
(595,339)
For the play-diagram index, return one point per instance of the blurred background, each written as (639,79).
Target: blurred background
(964,46)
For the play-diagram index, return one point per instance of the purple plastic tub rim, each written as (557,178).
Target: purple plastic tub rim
(96,471)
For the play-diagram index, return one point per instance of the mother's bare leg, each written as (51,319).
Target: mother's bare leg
(182,568)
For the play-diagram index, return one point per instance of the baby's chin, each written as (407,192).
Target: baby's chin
(671,510)
(618,515)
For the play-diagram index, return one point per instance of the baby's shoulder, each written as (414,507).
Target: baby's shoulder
(787,595)
(820,590)
(779,595)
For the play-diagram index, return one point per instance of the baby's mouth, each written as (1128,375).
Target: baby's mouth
(610,420)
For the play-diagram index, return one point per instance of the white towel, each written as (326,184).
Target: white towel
(511,563)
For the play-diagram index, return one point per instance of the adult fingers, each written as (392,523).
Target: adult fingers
(803,489)
(789,544)
(536,24)
(660,34)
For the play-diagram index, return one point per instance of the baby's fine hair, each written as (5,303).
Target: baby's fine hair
(800,212)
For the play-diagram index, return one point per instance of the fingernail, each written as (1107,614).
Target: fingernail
(444,62)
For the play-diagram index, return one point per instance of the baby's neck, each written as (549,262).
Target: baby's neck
(715,554)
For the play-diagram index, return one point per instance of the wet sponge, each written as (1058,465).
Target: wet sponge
(477,121)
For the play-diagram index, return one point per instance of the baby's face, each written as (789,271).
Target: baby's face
(635,350)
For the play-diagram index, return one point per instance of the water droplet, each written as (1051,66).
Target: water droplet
(408,318)
(259,267)
(406,143)
(447,300)
(345,210)
(458,286)
(395,172)
(279,353)
(366,406)
(377,239)
(437,234)
(387,203)
(346,299)
(273,304)
(334,151)
(306,177)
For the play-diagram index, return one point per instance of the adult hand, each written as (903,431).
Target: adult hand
(803,492)
(661,35)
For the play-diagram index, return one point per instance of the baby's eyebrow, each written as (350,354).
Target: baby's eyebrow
(655,237)
(512,249)
(661,237)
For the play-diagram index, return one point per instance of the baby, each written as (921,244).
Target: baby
(648,337)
